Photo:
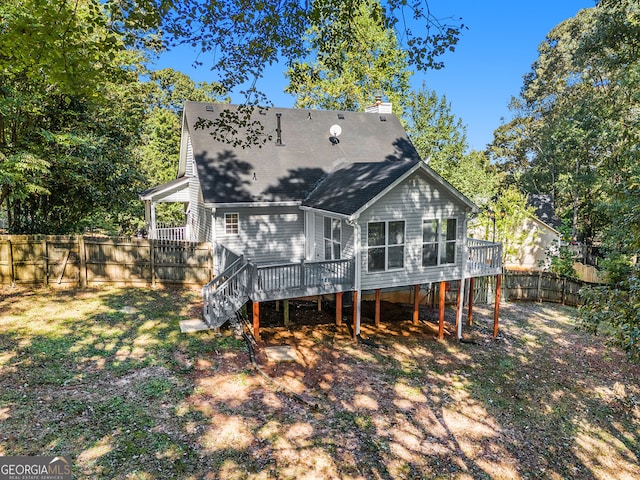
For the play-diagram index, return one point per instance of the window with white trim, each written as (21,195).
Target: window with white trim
(231,224)
(385,245)
(332,238)
(439,241)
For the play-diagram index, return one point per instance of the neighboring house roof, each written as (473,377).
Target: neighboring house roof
(165,189)
(544,209)
(352,187)
(289,172)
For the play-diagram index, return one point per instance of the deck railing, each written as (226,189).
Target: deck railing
(485,258)
(305,278)
(224,258)
(227,292)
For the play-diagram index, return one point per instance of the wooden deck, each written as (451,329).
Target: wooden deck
(242,280)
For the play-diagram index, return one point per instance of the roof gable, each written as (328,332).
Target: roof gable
(352,188)
(308,151)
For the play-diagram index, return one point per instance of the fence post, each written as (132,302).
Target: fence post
(211,262)
(13,275)
(564,290)
(539,287)
(45,259)
(82,253)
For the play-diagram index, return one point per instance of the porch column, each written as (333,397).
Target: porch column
(496,312)
(339,308)
(256,320)
(356,314)
(416,304)
(443,287)
(471,287)
(377,307)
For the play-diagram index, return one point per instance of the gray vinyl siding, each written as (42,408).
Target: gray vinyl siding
(346,250)
(189,167)
(413,201)
(202,222)
(266,234)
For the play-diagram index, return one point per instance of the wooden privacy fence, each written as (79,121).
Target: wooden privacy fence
(87,261)
(542,287)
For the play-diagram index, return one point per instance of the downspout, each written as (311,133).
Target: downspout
(357,252)
(465,257)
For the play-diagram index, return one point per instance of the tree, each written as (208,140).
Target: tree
(579,133)
(439,137)
(349,77)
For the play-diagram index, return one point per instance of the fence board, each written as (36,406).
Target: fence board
(85,261)
(543,287)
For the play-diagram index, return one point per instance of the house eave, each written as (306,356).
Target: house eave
(250,204)
(160,191)
(432,174)
(326,213)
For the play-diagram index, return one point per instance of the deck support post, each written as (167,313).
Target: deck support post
(416,304)
(319,303)
(285,308)
(471,287)
(496,312)
(460,307)
(339,308)
(356,317)
(256,320)
(443,289)
(377,316)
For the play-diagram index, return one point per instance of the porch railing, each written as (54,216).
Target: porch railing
(485,258)
(170,233)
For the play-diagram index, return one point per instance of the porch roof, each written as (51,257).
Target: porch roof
(170,188)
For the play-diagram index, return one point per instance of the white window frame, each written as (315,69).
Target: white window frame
(330,239)
(387,245)
(229,223)
(441,242)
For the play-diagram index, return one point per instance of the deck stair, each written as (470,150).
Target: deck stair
(224,295)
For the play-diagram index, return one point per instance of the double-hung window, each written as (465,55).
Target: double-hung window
(231,224)
(385,245)
(439,239)
(332,238)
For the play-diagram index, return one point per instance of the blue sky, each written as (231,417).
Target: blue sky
(479,78)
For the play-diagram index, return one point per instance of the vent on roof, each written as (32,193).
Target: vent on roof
(279,130)
(383,118)
(209,108)
(341,116)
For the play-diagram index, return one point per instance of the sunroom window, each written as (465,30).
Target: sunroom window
(385,245)
(439,239)
(332,238)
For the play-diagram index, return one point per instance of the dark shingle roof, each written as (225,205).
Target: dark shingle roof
(290,172)
(544,209)
(351,186)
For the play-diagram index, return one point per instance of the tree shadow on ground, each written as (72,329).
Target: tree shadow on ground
(106,376)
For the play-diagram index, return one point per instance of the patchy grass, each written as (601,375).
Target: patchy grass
(105,376)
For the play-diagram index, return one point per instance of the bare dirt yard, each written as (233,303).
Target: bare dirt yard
(106,377)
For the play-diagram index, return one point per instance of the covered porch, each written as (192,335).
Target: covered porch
(175,191)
